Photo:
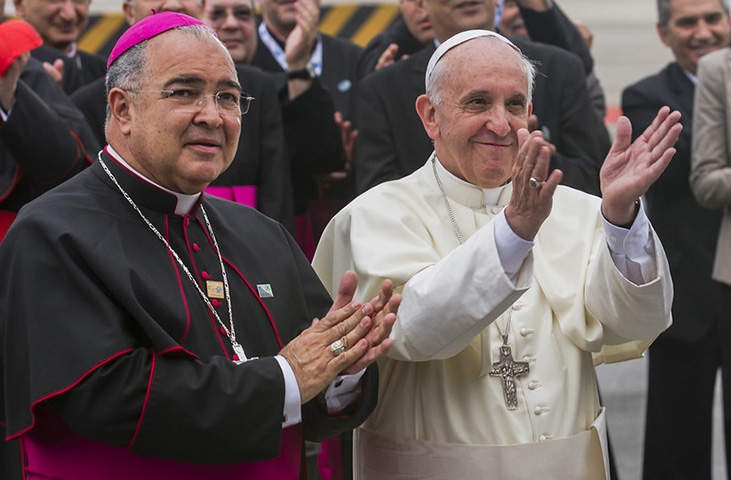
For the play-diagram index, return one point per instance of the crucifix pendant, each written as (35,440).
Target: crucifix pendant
(507,369)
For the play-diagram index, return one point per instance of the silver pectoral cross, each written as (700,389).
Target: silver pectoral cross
(507,369)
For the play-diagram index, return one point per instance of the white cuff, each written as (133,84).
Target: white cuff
(292,414)
(342,391)
(511,249)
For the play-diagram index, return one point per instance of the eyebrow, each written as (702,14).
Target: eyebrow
(196,80)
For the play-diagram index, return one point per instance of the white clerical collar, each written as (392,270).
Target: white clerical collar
(490,196)
(185,202)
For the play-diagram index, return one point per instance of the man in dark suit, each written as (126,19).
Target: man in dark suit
(392,141)
(684,360)
(333,59)
(313,139)
(60,24)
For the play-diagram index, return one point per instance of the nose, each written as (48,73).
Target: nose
(208,111)
(497,121)
(68,10)
(230,21)
(703,31)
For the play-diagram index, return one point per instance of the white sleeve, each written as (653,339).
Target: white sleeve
(632,250)
(445,305)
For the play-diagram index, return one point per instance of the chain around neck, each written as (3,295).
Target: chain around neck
(458,232)
(229,330)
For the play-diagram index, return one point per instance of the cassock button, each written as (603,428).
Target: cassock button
(543,438)
(223,331)
(206,275)
(196,248)
(541,409)
(532,385)
(216,303)
(526,331)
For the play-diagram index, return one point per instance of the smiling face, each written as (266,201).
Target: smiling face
(449,17)
(176,148)
(695,28)
(59,22)
(482,102)
(235,24)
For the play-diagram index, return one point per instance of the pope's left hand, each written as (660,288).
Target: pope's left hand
(630,168)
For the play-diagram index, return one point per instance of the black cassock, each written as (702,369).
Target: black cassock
(100,324)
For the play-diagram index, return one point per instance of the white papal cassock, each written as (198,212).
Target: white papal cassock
(440,414)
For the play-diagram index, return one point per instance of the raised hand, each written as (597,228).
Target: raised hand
(363,330)
(299,44)
(530,206)
(630,168)
(387,57)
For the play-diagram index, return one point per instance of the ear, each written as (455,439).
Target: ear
(530,109)
(428,114)
(128,10)
(663,34)
(120,107)
(19,8)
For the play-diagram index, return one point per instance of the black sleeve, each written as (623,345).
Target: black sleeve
(92,102)
(177,407)
(275,196)
(314,143)
(45,140)
(375,159)
(555,28)
(581,140)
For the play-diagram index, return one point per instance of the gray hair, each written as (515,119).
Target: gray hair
(664,13)
(127,70)
(441,68)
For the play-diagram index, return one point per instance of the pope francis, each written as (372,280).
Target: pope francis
(513,286)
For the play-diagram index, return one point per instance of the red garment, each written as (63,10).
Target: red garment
(6,218)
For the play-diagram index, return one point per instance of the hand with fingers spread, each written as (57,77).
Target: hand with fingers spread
(299,44)
(362,330)
(530,206)
(630,168)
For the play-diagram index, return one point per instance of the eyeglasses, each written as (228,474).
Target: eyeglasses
(190,100)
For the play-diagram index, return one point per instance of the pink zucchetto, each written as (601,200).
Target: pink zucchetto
(150,27)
